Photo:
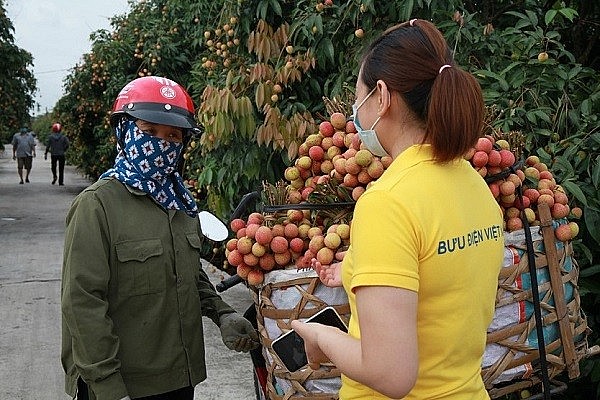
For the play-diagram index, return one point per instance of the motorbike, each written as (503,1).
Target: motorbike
(216,231)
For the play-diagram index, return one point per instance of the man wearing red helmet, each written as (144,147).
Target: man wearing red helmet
(133,291)
(57,146)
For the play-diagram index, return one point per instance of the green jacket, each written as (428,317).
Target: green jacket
(133,295)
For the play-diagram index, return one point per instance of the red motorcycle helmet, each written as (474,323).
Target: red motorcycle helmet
(157,100)
(56,127)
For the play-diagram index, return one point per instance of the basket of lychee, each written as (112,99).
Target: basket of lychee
(286,235)
(521,186)
(264,242)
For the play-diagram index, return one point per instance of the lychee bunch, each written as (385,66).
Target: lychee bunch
(264,242)
(336,151)
(508,178)
(326,247)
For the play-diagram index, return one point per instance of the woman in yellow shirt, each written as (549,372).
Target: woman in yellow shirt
(426,239)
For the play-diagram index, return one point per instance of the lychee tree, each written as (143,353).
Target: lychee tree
(259,70)
(17,82)
(154,38)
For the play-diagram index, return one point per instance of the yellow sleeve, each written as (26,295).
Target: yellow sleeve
(385,243)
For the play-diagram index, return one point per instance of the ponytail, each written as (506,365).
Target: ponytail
(455,114)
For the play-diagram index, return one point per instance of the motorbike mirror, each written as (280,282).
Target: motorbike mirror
(212,227)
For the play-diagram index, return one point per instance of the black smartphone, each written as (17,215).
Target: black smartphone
(289,347)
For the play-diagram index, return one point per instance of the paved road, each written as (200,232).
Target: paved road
(31,238)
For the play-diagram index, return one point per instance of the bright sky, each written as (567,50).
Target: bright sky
(56,33)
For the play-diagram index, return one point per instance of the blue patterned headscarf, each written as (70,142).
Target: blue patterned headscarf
(149,164)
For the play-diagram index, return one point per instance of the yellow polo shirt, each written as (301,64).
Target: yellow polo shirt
(437,230)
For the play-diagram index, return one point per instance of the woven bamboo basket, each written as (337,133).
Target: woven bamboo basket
(516,363)
(565,327)
(303,295)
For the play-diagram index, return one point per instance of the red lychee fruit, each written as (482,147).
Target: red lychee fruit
(494,158)
(244,245)
(255,277)
(267,262)
(263,235)
(316,153)
(279,244)
(563,232)
(243,270)
(325,256)
(235,258)
(480,158)
(484,144)
(237,224)
(326,129)
(508,158)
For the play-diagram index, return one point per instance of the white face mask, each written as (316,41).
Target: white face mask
(368,136)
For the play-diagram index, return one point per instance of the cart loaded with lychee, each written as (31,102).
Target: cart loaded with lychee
(539,332)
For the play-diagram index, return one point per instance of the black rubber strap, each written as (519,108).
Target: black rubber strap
(501,175)
(308,206)
(537,310)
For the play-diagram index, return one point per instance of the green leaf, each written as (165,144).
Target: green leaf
(221,175)
(568,13)
(522,23)
(592,222)
(589,271)
(327,47)
(276,7)
(531,116)
(261,9)
(532,17)
(596,172)
(573,72)
(549,17)
(517,14)
(408,9)
(208,176)
(491,96)
(562,74)
(510,67)
(543,116)
(572,188)
(585,106)
(490,74)
(319,23)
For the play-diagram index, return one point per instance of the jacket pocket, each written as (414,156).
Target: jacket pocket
(194,264)
(194,240)
(141,268)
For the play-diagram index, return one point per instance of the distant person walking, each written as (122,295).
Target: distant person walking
(23,151)
(57,145)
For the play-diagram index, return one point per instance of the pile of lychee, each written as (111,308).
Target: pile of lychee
(496,163)
(334,153)
(334,157)
(267,242)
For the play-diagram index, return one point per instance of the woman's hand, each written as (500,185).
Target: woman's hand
(330,275)
(310,333)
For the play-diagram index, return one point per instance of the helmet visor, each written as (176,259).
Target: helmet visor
(164,114)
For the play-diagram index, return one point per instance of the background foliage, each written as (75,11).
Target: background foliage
(258,71)
(17,83)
